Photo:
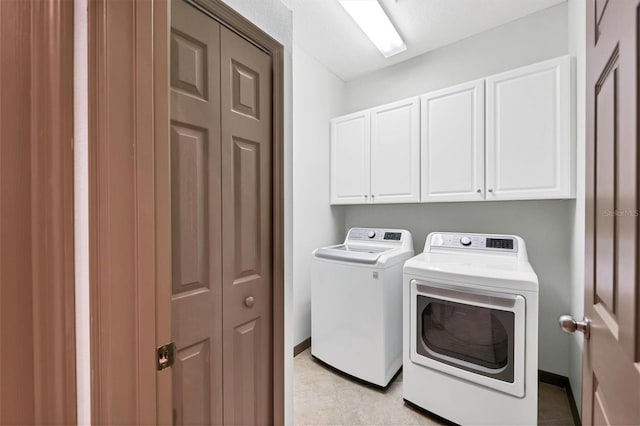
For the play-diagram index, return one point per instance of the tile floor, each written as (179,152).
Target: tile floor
(322,397)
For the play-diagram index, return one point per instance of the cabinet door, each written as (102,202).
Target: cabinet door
(452,143)
(529,140)
(395,152)
(350,140)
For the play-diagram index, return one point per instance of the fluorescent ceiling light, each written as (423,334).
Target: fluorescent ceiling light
(370,17)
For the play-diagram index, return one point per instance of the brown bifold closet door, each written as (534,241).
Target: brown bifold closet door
(222,242)
(247,239)
(196,289)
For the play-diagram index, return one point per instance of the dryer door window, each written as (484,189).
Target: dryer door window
(473,338)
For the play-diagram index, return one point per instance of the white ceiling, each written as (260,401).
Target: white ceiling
(324,29)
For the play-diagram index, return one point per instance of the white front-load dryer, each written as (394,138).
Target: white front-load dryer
(470,326)
(356,303)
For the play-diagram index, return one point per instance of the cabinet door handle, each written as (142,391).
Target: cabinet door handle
(479,191)
(373,196)
(366,196)
(249,301)
(491,190)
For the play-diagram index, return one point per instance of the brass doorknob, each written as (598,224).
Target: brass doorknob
(249,301)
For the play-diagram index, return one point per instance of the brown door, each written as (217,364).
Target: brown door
(37,280)
(196,216)
(246,231)
(221,223)
(611,373)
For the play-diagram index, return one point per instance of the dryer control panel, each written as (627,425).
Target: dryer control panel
(488,242)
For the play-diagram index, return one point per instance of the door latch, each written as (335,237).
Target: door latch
(166,355)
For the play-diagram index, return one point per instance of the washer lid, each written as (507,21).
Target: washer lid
(485,270)
(352,253)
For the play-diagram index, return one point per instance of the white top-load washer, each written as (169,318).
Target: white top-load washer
(470,322)
(356,303)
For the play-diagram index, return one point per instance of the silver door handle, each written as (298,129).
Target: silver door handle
(569,325)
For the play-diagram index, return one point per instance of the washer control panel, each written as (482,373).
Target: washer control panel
(489,242)
(376,235)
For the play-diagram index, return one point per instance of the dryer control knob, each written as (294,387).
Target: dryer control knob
(465,241)
(372,234)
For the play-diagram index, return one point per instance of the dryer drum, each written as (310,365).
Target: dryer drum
(476,336)
(465,332)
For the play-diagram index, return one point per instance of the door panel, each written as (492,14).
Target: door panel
(247,240)
(395,152)
(350,165)
(196,217)
(246,342)
(605,146)
(452,143)
(193,385)
(611,368)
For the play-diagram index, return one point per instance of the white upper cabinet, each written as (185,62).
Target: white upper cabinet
(505,137)
(350,142)
(452,143)
(395,152)
(529,144)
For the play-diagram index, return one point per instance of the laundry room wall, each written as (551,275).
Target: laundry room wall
(533,38)
(547,225)
(318,96)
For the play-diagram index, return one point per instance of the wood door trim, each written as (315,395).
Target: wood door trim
(161,108)
(52,210)
(123,227)
(36,84)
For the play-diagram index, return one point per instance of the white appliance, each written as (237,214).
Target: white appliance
(356,303)
(470,322)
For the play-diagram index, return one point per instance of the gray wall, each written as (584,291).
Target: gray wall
(534,38)
(546,226)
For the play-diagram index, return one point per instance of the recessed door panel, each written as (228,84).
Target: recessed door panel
(196,217)
(247,233)
(189,191)
(246,341)
(246,90)
(605,145)
(246,230)
(188,64)
(192,387)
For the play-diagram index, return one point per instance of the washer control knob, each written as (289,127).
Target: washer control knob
(465,241)
(372,234)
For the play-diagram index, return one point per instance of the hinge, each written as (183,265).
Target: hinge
(166,355)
